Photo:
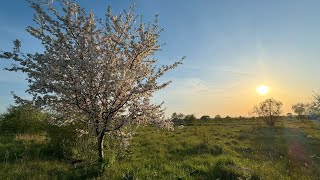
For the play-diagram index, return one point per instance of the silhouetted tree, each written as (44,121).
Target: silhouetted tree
(205,117)
(313,110)
(181,116)
(270,109)
(190,117)
(174,116)
(300,109)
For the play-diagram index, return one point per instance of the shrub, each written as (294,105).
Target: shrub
(60,141)
(23,119)
(64,142)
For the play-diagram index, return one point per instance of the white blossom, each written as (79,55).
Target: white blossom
(93,72)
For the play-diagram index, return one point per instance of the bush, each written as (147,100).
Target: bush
(60,141)
(64,142)
(23,119)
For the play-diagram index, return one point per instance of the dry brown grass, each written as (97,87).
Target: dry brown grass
(36,138)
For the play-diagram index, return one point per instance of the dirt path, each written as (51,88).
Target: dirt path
(299,150)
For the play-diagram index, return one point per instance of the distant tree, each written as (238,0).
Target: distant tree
(316,102)
(181,116)
(217,117)
(101,73)
(174,116)
(190,117)
(300,109)
(205,117)
(270,109)
(178,118)
(228,117)
(313,110)
(289,114)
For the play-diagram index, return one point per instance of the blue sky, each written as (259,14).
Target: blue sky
(231,48)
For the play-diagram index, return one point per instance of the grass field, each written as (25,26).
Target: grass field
(225,149)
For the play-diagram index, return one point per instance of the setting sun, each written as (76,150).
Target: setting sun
(262,89)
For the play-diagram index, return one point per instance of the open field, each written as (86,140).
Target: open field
(225,149)
(82,90)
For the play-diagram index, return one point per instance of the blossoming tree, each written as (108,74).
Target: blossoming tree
(96,72)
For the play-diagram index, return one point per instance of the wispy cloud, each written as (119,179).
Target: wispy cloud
(234,71)
(196,85)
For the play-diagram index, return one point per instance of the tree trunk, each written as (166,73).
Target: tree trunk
(272,121)
(100,147)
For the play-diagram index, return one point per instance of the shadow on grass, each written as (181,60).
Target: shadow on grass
(280,141)
(48,170)
(224,168)
(90,171)
(30,159)
(14,150)
(196,150)
(290,144)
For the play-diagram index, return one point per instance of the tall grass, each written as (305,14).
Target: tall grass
(211,149)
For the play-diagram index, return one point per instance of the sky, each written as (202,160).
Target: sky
(231,47)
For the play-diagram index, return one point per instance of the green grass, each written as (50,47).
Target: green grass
(225,149)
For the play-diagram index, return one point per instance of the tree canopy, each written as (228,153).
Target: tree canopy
(270,109)
(300,109)
(98,72)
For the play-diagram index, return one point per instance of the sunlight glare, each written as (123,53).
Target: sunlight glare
(262,89)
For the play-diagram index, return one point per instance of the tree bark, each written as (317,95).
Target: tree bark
(100,147)
(272,121)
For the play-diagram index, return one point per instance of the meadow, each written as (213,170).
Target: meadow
(211,149)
